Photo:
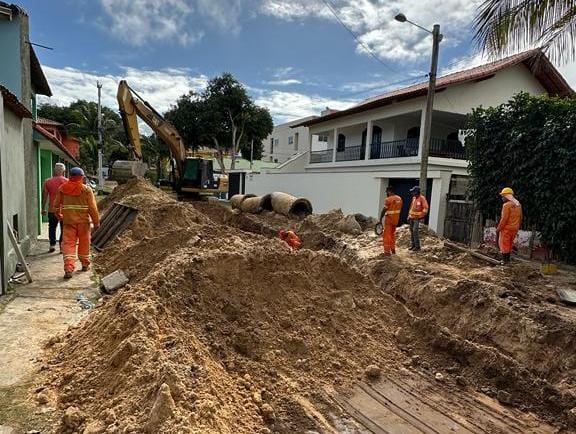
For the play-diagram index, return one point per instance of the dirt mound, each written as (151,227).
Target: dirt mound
(137,192)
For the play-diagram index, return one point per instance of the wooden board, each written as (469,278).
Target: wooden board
(16,246)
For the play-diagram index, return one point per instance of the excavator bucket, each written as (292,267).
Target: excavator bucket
(123,170)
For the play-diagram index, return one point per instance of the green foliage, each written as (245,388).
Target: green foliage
(223,117)
(81,120)
(528,144)
(155,153)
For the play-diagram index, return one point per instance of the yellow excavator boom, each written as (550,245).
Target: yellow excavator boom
(133,107)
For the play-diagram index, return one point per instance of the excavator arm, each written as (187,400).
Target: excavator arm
(132,107)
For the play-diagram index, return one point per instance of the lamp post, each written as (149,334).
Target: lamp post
(100,142)
(426,122)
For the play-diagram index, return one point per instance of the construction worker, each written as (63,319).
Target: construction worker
(49,192)
(417,213)
(391,215)
(76,207)
(509,224)
(290,238)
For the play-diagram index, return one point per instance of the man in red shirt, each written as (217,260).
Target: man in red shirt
(417,213)
(49,191)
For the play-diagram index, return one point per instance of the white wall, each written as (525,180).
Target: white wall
(13,183)
(283,150)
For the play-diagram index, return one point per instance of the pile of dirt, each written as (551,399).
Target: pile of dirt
(224,329)
(137,192)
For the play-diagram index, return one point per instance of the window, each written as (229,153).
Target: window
(459,187)
(322,138)
(15,227)
(272,145)
(291,140)
(296,135)
(341,146)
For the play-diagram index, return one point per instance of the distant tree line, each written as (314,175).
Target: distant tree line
(223,117)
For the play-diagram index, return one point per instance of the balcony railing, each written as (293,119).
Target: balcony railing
(394,149)
(351,153)
(447,149)
(324,156)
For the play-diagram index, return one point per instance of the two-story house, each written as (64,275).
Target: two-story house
(376,143)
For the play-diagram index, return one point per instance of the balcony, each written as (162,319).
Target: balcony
(447,149)
(409,148)
(352,153)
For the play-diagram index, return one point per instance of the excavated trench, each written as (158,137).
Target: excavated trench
(223,329)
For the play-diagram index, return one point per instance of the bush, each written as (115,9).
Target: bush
(528,144)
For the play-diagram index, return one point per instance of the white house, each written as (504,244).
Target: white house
(375,143)
(288,140)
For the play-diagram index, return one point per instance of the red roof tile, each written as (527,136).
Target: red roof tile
(12,103)
(54,140)
(534,60)
(44,121)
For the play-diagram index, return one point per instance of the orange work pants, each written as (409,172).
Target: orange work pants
(73,234)
(506,240)
(389,238)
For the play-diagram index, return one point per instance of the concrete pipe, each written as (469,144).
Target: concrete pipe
(252,205)
(288,205)
(237,199)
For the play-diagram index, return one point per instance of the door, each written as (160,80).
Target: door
(233,184)
(45,171)
(402,188)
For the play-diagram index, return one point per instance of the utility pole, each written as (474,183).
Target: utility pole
(426,124)
(251,153)
(100,143)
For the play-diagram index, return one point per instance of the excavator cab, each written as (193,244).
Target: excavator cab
(198,176)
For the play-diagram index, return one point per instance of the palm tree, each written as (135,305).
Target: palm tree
(504,26)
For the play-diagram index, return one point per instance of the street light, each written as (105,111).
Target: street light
(426,122)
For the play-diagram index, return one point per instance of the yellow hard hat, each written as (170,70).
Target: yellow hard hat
(506,190)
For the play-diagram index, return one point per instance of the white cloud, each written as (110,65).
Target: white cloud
(287,106)
(374,23)
(284,82)
(160,88)
(138,21)
(224,14)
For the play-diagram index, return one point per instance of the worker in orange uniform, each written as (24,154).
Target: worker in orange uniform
(509,224)
(417,213)
(290,238)
(391,215)
(76,207)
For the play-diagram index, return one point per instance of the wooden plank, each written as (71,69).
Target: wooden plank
(16,246)
(472,252)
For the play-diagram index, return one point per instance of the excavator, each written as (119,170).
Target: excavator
(191,175)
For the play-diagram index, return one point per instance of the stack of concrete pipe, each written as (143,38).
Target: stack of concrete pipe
(282,203)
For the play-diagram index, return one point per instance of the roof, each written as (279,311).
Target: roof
(242,164)
(12,103)
(38,78)
(44,121)
(534,60)
(296,121)
(45,133)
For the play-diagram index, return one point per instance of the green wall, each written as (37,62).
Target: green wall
(45,172)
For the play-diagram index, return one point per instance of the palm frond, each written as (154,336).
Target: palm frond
(505,26)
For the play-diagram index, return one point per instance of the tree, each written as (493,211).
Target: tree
(81,120)
(528,144)
(155,152)
(509,25)
(260,125)
(223,117)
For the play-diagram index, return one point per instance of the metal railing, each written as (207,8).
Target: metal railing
(447,149)
(394,149)
(351,153)
(324,156)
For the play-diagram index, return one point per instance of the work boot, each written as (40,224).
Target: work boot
(394,251)
(52,249)
(67,274)
(85,267)
(411,248)
(505,258)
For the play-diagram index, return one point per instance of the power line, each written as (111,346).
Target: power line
(356,37)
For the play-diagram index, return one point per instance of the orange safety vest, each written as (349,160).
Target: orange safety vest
(75,209)
(393,205)
(418,207)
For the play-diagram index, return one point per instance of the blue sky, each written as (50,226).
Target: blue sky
(292,55)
